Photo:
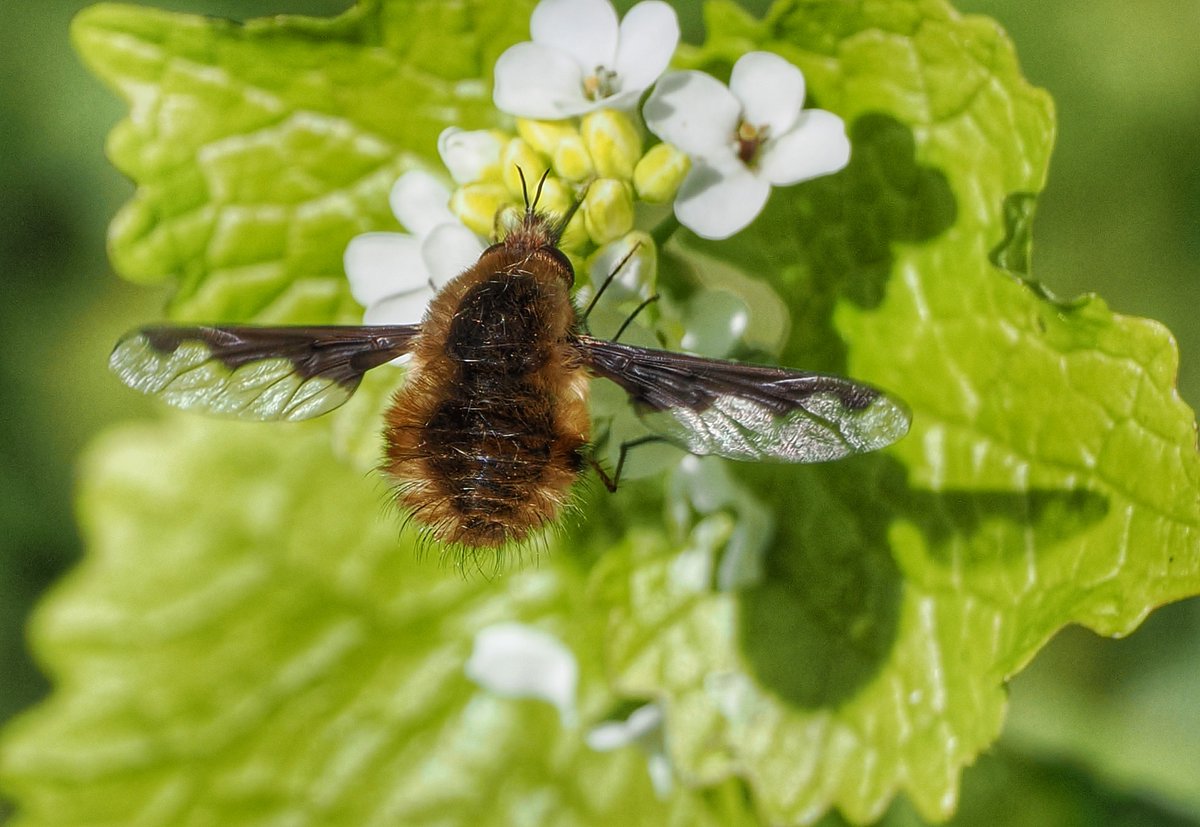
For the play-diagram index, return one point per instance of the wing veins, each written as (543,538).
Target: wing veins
(327,360)
(745,411)
(223,390)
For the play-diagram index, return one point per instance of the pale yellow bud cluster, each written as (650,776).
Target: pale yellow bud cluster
(659,172)
(596,161)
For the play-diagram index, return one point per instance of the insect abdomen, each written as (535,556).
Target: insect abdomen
(485,440)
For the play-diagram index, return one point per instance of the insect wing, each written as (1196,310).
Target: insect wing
(261,373)
(748,412)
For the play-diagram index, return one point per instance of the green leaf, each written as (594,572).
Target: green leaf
(1008,787)
(248,641)
(270,652)
(260,149)
(1050,478)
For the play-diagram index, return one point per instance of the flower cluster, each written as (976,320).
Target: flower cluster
(579,139)
(574,90)
(742,139)
(581,59)
(598,163)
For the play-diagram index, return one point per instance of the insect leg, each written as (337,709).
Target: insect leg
(646,303)
(611,482)
(607,281)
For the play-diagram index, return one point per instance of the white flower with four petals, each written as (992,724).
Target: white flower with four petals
(581,59)
(394,275)
(742,139)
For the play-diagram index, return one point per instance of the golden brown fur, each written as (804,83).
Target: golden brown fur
(486,438)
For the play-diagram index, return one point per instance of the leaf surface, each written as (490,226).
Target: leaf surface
(248,640)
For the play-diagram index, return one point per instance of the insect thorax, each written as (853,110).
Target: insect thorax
(500,328)
(487,447)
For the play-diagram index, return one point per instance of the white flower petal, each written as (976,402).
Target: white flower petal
(467,154)
(382,264)
(403,308)
(584,29)
(448,250)
(534,81)
(419,201)
(716,203)
(625,101)
(519,661)
(816,145)
(771,91)
(643,723)
(644,727)
(696,113)
(648,37)
(662,774)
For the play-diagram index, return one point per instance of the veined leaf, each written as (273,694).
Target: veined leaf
(260,149)
(248,641)
(276,650)
(1051,476)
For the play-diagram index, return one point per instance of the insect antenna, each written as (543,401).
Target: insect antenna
(537,196)
(529,207)
(557,228)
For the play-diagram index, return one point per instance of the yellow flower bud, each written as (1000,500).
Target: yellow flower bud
(476,205)
(556,198)
(508,218)
(574,237)
(571,159)
(561,142)
(545,136)
(519,155)
(613,141)
(660,172)
(608,210)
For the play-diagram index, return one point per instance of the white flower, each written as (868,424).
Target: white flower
(394,275)
(514,660)
(469,155)
(743,139)
(644,727)
(581,59)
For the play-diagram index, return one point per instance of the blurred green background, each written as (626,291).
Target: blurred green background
(1117,720)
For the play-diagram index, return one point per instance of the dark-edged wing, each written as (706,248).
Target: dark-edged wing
(263,373)
(748,412)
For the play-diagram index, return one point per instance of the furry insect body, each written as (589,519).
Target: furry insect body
(486,439)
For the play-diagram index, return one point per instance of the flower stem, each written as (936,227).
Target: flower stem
(663,231)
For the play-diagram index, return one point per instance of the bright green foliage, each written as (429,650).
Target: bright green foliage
(1051,475)
(259,150)
(274,652)
(248,641)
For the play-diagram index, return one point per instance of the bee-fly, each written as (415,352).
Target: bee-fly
(489,433)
